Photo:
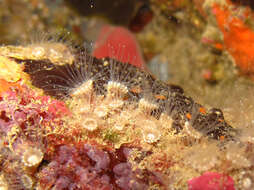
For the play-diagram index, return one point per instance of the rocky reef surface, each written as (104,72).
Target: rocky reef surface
(99,117)
(87,123)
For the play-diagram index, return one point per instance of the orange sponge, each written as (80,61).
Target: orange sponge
(238,37)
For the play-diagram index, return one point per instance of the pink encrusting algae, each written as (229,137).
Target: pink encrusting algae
(93,167)
(25,119)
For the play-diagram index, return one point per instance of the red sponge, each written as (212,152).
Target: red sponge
(120,44)
(211,181)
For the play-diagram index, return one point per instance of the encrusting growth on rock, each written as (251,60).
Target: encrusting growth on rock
(90,123)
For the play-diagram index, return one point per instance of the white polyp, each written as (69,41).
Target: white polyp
(114,104)
(84,109)
(247,182)
(90,123)
(85,89)
(166,121)
(32,157)
(150,137)
(3,187)
(146,106)
(118,127)
(189,130)
(238,159)
(3,183)
(54,53)
(38,52)
(27,181)
(116,89)
(101,111)
(150,132)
